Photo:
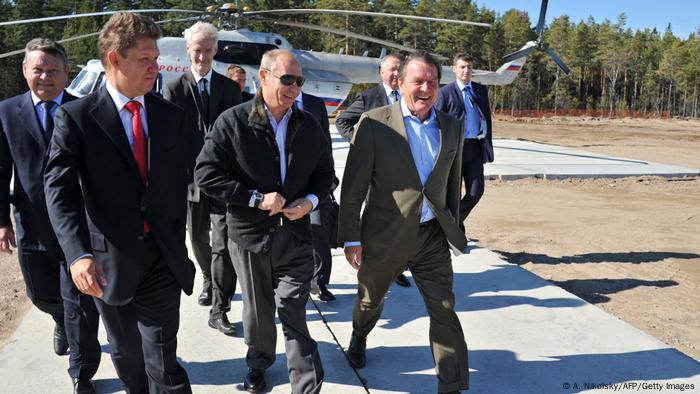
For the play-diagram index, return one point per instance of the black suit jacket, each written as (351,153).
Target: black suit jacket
(452,102)
(245,96)
(96,199)
(183,91)
(316,107)
(24,148)
(364,101)
(240,155)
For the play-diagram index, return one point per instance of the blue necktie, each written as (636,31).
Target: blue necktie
(395,95)
(47,122)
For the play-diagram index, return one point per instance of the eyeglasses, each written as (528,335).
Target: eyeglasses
(288,79)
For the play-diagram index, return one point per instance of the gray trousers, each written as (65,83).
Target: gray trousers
(279,279)
(431,267)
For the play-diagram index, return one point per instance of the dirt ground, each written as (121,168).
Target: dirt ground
(630,246)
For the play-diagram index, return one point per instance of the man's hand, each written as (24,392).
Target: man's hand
(272,202)
(88,276)
(354,256)
(7,239)
(298,208)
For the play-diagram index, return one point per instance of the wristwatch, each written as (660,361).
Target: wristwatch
(257,198)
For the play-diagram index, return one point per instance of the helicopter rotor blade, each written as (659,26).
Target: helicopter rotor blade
(362,13)
(518,54)
(20,51)
(61,17)
(558,61)
(540,22)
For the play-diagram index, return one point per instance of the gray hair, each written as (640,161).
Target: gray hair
(386,58)
(205,29)
(48,46)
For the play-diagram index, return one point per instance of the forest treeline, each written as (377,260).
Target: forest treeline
(613,67)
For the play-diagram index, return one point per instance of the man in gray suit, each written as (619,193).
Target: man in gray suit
(412,203)
(385,93)
(205,94)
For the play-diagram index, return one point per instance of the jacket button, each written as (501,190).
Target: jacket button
(143,209)
(139,238)
(271,230)
(279,183)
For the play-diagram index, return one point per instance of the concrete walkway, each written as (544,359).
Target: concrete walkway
(524,336)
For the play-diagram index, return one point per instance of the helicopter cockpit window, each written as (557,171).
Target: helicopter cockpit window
(236,52)
(83,83)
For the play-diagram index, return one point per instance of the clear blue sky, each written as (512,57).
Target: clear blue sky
(684,15)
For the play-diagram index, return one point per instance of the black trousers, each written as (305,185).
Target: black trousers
(473,175)
(198,225)
(279,280)
(320,229)
(223,275)
(143,332)
(52,291)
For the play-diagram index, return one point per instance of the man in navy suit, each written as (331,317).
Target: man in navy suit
(116,186)
(469,101)
(385,93)
(320,226)
(26,125)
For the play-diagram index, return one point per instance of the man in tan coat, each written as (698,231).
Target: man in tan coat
(405,160)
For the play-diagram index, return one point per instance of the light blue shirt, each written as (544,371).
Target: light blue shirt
(39,107)
(472,120)
(424,140)
(390,94)
(280,129)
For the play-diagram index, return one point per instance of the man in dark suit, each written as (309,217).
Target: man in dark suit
(320,226)
(205,94)
(412,198)
(115,187)
(238,74)
(385,93)
(468,101)
(26,125)
(269,163)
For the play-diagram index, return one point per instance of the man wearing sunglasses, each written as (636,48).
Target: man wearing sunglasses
(270,163)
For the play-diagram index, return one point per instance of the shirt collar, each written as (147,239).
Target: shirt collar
(36,100)
(461,85)
(273,122)
(388,89)
(198,77)
(298,99)
(120,100)
(407,113)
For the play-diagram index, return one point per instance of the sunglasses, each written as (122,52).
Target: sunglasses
(289,79)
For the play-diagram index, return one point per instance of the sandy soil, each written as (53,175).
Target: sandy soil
(630,246)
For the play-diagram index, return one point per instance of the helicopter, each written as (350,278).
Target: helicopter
(329,76)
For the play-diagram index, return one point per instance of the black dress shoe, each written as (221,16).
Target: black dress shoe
(83,386)
(325,294)
(222,324)
(60,342)
(356,351)
(254,381)
(402,281)
(205,298)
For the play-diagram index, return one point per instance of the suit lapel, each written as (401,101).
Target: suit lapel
(194,90)
(395,121)
(216,95)
(107,117)
(28,115)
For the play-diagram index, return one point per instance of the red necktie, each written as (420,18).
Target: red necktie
(140,144)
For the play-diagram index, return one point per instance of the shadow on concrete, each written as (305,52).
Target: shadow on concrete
(521,258)
(232,371)
(402,307)
(594,290)
(403,369)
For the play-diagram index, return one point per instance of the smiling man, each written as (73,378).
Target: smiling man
(115,188)
(412,200)
(26,126)
(205,94)
(270,163)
